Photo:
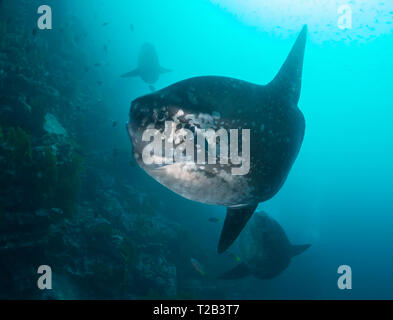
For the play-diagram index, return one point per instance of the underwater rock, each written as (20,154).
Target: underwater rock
(157,271)
(53,126)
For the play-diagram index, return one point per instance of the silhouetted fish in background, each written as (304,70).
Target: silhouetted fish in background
(265,250)
(149,68)
(276,134)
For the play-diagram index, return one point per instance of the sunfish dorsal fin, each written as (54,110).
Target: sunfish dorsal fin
(234,223)
(288,80)
(298,249)
(133,73)
(238,272)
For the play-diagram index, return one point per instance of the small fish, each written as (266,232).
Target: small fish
(197,266)
(105,24)
(214,219)
(97,64)
(132,27)
(114,123)
(99,83)
(34,32)
(106,49)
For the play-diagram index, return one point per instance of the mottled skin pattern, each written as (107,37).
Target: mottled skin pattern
(276,128)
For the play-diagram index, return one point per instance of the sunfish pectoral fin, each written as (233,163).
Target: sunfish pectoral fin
(238,272)
(133,73)
(288,80)
(298,249)
(236,219)
(164,70)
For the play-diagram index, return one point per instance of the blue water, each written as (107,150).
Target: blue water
(338,195)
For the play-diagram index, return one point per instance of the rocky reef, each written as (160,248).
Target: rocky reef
(59,205)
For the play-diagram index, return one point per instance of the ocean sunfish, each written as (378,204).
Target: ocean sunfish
(267,115)
(265,250)
(149,68)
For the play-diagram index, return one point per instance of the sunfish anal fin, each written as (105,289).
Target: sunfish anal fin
(234,223)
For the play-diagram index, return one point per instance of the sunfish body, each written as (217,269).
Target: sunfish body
(149,68)
(271,114)
(265,250)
